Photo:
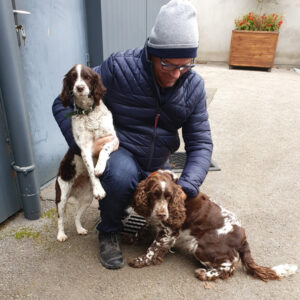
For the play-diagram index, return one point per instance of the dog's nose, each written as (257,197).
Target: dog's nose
(79,88)
(161,214)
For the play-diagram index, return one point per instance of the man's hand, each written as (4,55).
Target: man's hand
(99,143)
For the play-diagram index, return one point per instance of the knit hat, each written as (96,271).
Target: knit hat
(175,31)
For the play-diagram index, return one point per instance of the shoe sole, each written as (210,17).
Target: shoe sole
(110,267)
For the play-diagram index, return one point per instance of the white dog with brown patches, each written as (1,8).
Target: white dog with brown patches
(91,120)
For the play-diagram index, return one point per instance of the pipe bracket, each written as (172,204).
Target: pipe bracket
(24,170)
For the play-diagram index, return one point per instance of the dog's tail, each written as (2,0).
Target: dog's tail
(263,273)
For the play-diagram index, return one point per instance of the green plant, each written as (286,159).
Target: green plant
(26,233)
(49,214)
(254,22)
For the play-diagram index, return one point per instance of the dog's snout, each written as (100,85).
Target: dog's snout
(160,210)
(80,88)
(161,213)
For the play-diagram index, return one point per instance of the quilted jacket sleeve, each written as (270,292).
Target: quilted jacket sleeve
(65,124)
(198,146)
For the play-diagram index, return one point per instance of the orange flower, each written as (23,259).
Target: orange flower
(252,21)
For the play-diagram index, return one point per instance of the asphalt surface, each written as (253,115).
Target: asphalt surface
(255,122)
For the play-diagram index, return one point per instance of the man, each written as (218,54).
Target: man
(151,92)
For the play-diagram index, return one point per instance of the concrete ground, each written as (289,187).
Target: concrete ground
(255,122)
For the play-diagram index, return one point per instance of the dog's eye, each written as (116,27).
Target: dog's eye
(156,194)
(168,197)
(87,77)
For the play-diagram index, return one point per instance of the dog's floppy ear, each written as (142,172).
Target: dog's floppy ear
(140,200)
(99,89)
(203,196)
(176,208)
(65,94)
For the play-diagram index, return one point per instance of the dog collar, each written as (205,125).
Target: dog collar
(153,173)
(80,111)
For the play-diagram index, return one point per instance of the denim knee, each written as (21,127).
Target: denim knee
(119,181)
(122,173)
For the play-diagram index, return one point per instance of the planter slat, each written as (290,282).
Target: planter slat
(253,48)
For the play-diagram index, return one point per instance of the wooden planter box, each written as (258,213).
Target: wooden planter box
(253,48)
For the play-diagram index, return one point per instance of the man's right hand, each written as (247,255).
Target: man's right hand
(100,142)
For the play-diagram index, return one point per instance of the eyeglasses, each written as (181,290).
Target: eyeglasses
(169,67)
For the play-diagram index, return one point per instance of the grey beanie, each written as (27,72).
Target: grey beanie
(175,31)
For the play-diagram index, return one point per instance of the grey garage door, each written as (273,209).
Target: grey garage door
(10,201)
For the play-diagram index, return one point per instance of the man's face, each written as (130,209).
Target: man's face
(167,78)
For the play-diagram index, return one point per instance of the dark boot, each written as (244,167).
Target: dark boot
(110,252)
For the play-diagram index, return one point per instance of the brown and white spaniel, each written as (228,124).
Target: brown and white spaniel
(77,176)
(208,231)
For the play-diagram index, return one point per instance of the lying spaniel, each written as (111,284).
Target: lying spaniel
(77,176)
(208,231)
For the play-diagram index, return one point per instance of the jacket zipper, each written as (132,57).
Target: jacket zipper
(153,140)
(156,120)
(158,101)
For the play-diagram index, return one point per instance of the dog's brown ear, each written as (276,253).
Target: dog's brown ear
(65,94)
(98,88)
(203,196)
(140,200)
(176,208)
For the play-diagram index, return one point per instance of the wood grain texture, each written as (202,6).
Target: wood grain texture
(253,48)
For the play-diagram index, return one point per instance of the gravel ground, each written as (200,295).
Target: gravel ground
(255,122)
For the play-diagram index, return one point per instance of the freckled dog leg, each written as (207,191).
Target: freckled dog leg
(207,275)
(81,209)
(155,252)
(98,190)
(104,156)
(223,271)
(65,188)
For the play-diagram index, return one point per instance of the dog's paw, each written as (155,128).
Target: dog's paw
(82,231)
(139,262)
(61,236)
(99,169)
(99,193)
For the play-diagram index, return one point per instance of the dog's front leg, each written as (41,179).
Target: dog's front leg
(104,156)
(155,253)
(86,154)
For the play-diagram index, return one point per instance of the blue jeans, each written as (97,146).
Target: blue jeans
(119,180)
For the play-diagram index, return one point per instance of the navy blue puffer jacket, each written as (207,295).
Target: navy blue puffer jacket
(147,117)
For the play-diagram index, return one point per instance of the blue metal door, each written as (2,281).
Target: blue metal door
(10,201)
(55,41)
